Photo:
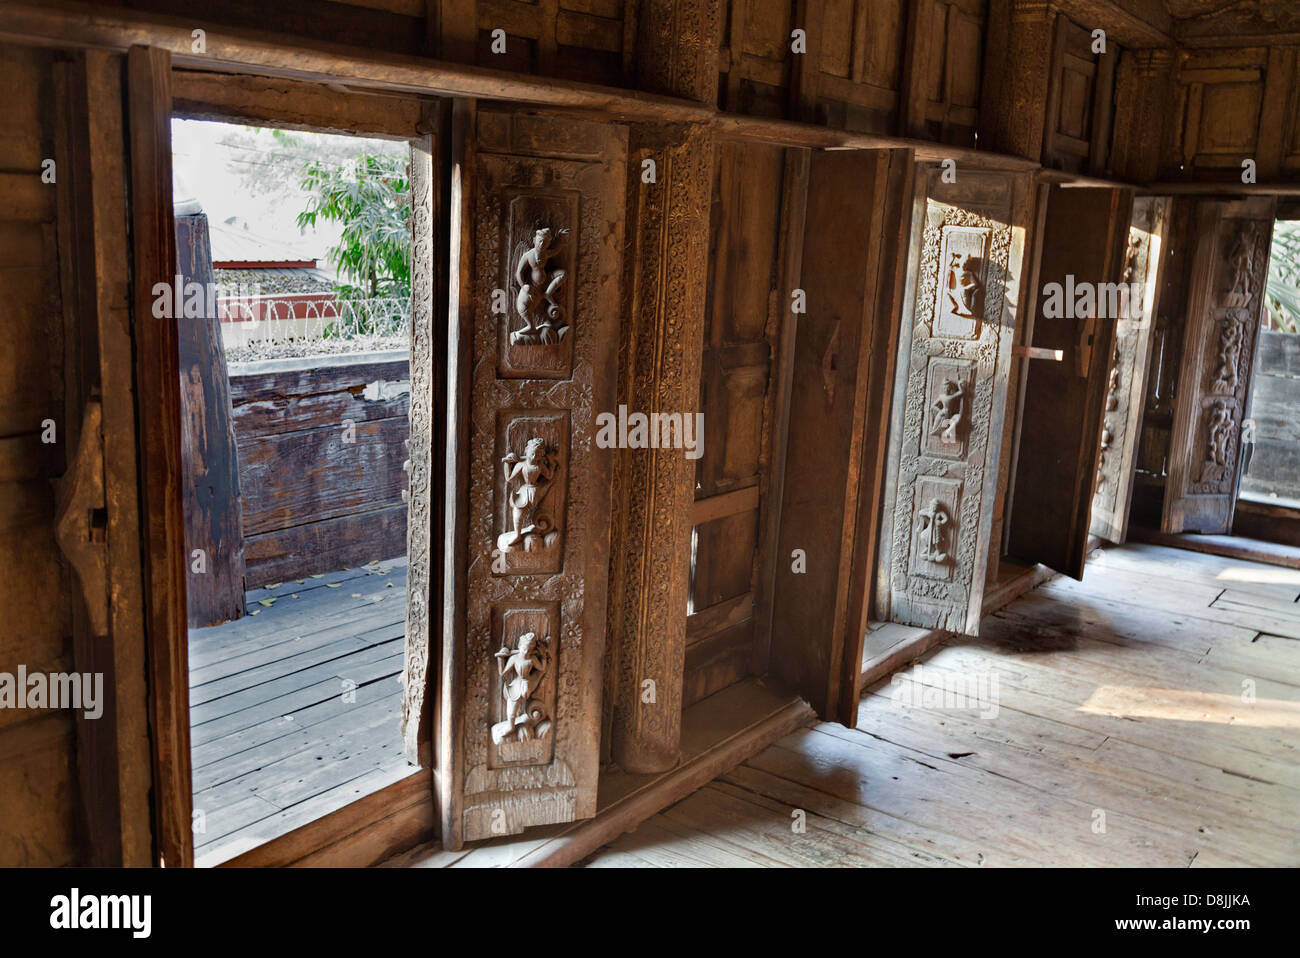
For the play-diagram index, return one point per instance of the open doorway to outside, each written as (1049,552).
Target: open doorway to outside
(295,382)
(1271,431)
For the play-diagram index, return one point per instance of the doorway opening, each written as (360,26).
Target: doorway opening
(293,306)
(1270,433)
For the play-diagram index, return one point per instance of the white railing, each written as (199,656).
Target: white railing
(288,324)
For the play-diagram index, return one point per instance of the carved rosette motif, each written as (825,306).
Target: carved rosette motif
(960,336)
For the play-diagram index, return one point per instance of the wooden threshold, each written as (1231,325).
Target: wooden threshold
(1235,547)
(718,733)
(890,646)
(366,832)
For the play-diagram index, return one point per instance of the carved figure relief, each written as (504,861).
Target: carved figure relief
(538,301)
(932,534)
(962,282)
(964,285)
(1227,370)
(1219,432)
(946,420)
(521,671)
(529,478)
(1241,289)
(947,411)
(935,547)
(542,267)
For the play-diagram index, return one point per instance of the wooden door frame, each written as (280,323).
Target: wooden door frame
(157,92)
(157,371)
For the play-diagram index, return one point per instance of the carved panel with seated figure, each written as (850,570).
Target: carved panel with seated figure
(537,325)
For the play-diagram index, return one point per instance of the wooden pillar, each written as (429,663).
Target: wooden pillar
(655,488)
(1017,74)
(659,371)
(213,513)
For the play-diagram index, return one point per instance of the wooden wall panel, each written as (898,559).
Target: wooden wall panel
(302,483)
(1220,99)
(1083,239)
(38,790)
(1079,100)
(1151,469)
(590,40)
(842,365)
(536,524)
(744,315)
(756,62)
(852,73)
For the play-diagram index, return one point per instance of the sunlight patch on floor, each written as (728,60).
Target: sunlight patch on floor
(1188,705)
(1263,576)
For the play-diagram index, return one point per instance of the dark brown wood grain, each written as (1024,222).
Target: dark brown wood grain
(320,442)
(827,420)
(213,514)
(1084,237)
(163,481)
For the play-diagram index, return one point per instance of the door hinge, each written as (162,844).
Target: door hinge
(81,528)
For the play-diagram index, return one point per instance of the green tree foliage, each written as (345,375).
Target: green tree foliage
(371,198)
(1283,292)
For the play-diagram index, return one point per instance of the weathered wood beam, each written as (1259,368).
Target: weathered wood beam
(1133,23)
(157,375)
(293,104)
(71,24)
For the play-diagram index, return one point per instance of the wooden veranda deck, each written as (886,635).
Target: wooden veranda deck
(295,708)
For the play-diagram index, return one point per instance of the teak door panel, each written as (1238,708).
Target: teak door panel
(954,354)
(519,721)
(1126,381)
(1082,243)
(738,387)
(1229,272)
(853,228)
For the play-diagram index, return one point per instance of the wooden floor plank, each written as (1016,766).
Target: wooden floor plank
(1151,692)
(279,736)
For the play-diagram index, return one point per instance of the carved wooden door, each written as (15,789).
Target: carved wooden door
(1082,241)
(1126,380)
(950,398)
(1224,305)
(538,214)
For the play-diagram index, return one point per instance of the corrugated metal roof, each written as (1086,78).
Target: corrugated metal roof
(233,244)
